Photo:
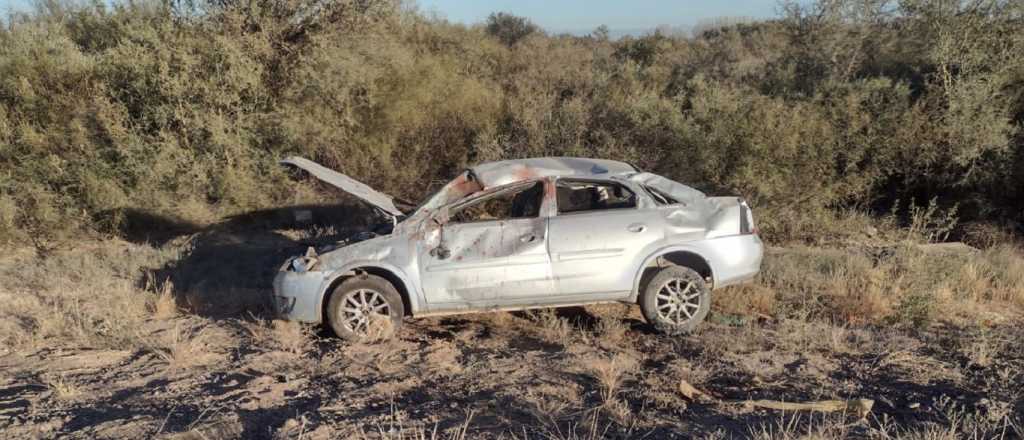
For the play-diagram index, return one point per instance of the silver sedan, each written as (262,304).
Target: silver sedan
(528,233)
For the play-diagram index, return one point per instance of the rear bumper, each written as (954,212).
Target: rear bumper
(736,259)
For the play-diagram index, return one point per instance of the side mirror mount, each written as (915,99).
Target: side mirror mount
(440,252)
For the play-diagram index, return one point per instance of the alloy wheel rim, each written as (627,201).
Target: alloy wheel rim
(678,301)
(362,309)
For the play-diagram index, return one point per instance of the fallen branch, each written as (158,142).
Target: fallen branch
(860,407)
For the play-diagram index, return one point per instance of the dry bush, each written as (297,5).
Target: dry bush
(900,285)
(611,332)
(610,373)
(551,327)
(288,336)
(85,296)
(165,305)
(292,336)
(746,300)
(982,348)
(396,98)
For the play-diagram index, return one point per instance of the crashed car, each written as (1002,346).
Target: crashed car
(528,233)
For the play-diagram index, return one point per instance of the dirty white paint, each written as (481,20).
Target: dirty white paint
(547,259)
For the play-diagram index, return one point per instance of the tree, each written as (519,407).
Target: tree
(509,28)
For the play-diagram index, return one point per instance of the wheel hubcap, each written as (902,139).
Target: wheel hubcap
(364,309)
(678,301)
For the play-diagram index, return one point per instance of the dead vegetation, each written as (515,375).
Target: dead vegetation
(90,328)
(132,308)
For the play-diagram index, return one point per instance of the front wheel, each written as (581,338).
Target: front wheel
(365,307)
(676,300)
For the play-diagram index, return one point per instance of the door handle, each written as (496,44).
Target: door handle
(527,238)
(636,227)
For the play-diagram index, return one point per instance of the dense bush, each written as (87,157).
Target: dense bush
(182,108)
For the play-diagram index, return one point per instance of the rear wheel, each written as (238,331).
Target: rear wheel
(676,300)
(365,307)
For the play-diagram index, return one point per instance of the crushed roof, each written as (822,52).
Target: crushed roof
(492,174)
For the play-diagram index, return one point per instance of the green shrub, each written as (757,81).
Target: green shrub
(183,109)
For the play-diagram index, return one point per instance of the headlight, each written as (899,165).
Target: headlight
(303,264)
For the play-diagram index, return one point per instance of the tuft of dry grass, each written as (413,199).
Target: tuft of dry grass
(551,327)
(182,348)
(61,387)
(380,328)
(165,306)
(292,336)
(983,348)
(610,373)
(611,332)
(798,426)
(288,336)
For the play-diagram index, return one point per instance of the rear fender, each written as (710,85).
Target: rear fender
(650,260)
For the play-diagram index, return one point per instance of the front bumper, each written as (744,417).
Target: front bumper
(297,295)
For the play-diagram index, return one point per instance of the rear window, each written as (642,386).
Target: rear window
(585,196)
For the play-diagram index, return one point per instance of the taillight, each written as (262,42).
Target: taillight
(747,225)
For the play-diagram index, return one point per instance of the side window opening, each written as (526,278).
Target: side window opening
(660,197)
(582,196)
(522,203)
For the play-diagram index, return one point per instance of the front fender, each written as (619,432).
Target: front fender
(350,268)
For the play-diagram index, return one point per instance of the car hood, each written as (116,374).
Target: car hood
(345,183)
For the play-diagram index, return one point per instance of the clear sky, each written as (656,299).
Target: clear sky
(621,16)
(585,15)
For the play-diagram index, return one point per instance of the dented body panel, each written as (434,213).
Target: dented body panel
(530,233)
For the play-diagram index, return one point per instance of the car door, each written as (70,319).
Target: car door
(596,237)
(491,247)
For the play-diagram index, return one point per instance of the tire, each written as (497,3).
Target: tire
(365,308)
(683,297)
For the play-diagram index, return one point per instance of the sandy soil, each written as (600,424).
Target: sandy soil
(504,375)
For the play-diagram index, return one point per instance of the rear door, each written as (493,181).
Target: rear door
(596,237)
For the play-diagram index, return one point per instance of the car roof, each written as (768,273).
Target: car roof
(503,172)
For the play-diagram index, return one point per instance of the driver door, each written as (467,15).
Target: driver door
(493,247)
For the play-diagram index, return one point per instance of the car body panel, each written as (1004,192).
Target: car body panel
(551,259)
(347,184)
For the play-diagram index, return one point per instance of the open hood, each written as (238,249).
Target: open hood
(352,186)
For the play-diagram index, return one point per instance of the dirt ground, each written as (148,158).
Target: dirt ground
(512,376)
(208,365)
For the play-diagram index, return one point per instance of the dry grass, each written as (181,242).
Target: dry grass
(165,306)
(800,426)
(610,374)
(550,327)
(900,285)
(62,387)
(823,307)
(983,348)
(85,296)
(182,348)
(287,336)
(611,332)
